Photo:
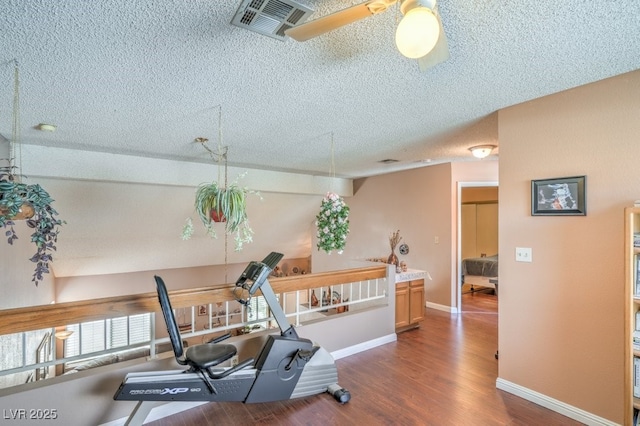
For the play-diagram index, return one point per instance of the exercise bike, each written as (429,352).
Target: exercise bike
(285,367)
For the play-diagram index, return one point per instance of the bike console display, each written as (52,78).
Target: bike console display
(256,272)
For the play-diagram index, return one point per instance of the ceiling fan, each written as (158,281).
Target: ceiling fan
(420,34)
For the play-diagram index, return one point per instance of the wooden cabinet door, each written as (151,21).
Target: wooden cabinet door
(487,229)
(402,305)
(416,300)
(468,231)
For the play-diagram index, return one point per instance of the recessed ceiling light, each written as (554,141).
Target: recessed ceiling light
(46,127)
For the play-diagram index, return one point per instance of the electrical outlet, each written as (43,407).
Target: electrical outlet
(523,254)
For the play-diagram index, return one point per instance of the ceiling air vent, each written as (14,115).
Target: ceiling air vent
(270,17)
(388,161)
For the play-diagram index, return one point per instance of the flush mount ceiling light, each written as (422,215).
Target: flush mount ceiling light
(419,29)
(481,151)
(46,127)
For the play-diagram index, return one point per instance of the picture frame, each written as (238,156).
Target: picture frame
(202,310)
(559,196)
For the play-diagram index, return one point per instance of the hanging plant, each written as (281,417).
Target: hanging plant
(332,223)
(19,201)
(214,203)
(221,203)
(32,203)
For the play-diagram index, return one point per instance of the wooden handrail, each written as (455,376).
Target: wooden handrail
(60,314)
(323,279)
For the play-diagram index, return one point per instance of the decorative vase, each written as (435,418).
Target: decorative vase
(393,259)
(394,239)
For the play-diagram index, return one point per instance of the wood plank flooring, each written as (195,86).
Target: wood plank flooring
(443,373)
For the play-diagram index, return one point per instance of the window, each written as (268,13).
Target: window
(112,333)
(257,310)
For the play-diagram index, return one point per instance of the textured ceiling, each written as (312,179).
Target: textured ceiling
(146,77)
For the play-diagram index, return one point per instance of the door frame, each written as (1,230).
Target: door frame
(457,282)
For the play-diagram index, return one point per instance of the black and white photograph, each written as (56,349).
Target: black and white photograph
(559,196)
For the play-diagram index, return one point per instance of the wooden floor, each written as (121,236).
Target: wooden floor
(443,373)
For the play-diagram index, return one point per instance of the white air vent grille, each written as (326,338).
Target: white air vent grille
(247,17)
(277,8)
(270,17)
(296,16)
(281,31)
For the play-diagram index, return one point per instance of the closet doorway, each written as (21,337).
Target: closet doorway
(477,238)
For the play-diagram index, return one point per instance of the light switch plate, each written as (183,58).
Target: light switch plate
(523,254)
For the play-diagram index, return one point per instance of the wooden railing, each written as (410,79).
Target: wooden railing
(55,315)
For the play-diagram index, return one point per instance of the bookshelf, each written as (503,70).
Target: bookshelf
(632,316)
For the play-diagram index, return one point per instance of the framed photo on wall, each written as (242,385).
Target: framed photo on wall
(559,196)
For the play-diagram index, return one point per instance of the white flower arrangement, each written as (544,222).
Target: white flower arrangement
(332,223)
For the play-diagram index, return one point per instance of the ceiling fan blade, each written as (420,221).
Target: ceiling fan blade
(438,54)
(311,29)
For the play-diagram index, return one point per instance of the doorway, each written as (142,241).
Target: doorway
(477,236)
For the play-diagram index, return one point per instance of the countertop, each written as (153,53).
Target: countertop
(411,274)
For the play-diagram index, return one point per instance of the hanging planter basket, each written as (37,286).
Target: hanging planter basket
(332,224)
(217,216)
(215,204)
(221,204)
(19,201)
(31,203)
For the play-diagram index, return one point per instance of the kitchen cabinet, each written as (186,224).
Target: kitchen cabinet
(410,304)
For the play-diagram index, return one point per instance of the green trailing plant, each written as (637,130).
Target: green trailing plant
(214,203)
(332,224)
(217,203)
(15,197)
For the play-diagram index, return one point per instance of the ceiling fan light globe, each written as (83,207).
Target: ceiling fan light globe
(417,32)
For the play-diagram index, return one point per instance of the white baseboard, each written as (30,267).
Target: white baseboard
(450,309)
(553,404)
(361,347)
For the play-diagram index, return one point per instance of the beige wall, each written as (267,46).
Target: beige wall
(70,289)
(422,204)
(561,316)
(16,271)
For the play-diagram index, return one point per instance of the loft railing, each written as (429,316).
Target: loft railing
(336,292)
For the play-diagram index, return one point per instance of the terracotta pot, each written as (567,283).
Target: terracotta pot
(217,216)
(26,212)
